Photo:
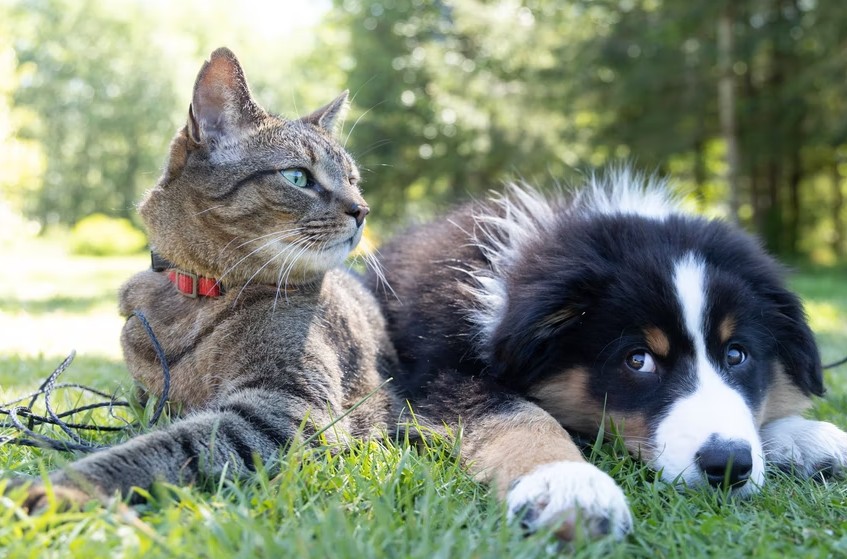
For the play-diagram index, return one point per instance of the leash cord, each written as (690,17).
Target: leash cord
(16,412)
(836,364)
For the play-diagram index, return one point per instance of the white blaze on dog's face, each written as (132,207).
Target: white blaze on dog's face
(709,435)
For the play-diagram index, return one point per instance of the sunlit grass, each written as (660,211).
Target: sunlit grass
(53,303)
(376,499)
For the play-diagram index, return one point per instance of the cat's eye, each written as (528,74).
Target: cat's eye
(735,355)
(298,177)
(641,361)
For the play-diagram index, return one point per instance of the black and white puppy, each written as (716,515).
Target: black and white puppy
(525,317)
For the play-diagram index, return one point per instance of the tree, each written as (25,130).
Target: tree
(103,100)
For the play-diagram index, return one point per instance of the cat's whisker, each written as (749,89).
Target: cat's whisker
(243,287)
(306,246)
(286,232)
(375,265)
(294,100)
(282,268)
(285,271)
(262,267)
(210,209)
(226,246)
(376,145)
(309,246)
(371,259)
(357,122)
(247,242)
(251,253)
(361,87)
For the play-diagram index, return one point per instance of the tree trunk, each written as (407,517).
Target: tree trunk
(793,233)
(773,214)
(726,107)
(837,210)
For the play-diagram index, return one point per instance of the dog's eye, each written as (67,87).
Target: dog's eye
(641,361)
(735,355)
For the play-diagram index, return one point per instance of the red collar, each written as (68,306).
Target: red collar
(187,283)
(194,285)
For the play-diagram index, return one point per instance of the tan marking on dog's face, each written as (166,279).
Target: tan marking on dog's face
(726,329)
(567,399)
(635,431)
(783,398)
(657,341)
(503,448)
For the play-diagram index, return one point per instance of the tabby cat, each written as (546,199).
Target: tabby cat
(263,333)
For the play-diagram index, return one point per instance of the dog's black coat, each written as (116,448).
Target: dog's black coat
(526,319)
(613,276)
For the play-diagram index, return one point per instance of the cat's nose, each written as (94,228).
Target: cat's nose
(359,211)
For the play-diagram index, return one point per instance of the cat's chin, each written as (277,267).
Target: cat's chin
(312,263)
(335,254)
(345,244)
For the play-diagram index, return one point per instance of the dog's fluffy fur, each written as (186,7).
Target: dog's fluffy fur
(525,318)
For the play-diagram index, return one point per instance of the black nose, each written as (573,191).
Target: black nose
(725,462)
(359,211)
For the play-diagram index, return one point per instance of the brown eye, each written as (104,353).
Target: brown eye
(641,361)
(735,355)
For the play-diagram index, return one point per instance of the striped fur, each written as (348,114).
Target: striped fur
(293,342)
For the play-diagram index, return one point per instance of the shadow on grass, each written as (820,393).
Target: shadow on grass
(74,305)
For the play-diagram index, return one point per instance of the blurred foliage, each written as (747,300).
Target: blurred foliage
(101,235)
(450,98)
(100,104)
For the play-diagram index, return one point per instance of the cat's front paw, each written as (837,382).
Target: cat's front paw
(804,446)
(575,498)
(40,497)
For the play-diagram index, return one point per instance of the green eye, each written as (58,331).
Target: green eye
(297,177)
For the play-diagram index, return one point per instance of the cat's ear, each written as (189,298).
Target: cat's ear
(222,104)
(328,116)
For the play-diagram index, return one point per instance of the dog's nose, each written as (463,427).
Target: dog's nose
(724,461)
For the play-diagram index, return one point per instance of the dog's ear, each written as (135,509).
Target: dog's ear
(522,346)
(782,311)
(797,350)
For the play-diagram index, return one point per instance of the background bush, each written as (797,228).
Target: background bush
(101,235)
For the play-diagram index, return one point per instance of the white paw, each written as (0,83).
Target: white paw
(574,497)
(804,446)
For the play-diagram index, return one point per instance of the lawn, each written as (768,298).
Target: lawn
(375,500)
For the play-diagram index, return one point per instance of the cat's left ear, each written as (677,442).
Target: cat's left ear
(328,116)
(222,105)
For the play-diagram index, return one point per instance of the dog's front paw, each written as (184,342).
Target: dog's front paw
(804,446)
(574,497)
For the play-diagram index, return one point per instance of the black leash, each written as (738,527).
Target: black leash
(836,364)
(16,412)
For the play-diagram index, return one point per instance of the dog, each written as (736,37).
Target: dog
(525,318)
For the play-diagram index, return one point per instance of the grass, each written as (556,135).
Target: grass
(374,500)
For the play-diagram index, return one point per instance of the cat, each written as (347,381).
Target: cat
(265,337)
